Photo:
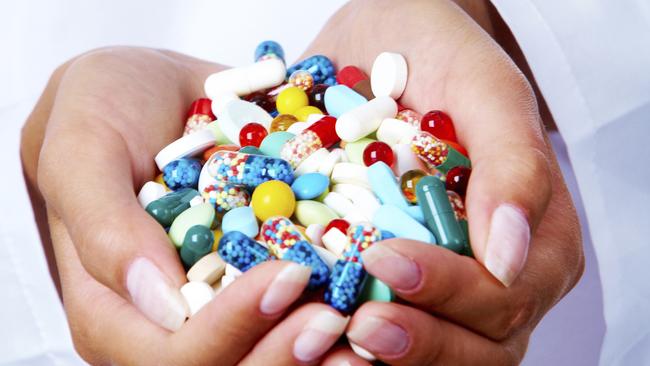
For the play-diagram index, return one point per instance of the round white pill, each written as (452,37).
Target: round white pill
(197,294)
(185,146)
(389,74)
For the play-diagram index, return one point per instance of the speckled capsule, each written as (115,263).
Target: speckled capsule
(320,67)
(247,169)
(182,173)
(269,49)
(225,196)
(241,251)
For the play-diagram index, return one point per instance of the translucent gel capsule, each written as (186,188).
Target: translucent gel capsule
(348,275)
(287,242)
(302,79)
(409,116)
(319,66)
(248,170)
(252,134)
(262,100)
(242,252)
(457,179)
(269,49)
(378,151)
(199,115)
(439,125)
(282,122)
(407,183)
(317,96)
(225,196)
(321,134)
(437,154)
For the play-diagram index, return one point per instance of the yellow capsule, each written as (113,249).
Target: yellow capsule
(303,112)
(291,99)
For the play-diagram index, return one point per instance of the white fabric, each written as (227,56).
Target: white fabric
(591,59)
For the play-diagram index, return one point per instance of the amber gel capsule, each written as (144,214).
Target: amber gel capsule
(438,213)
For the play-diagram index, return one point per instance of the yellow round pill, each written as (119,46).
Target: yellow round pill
(273,198)
(303,112)
(290,99)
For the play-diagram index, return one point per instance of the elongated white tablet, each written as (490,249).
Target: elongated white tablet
(338,203)
(188,145)
(356,217)
(247,79)
(312,163)
(327,165)
(394,131)
(364,201)
(389,74)
(350,173)
(150,192)
(237,113)
(197,294)
(365,119)
(208,269)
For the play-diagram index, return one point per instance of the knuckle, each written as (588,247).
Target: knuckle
(521,314)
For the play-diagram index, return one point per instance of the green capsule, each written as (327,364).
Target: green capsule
(375,290)
(166,208)
(196,244)
(438,213)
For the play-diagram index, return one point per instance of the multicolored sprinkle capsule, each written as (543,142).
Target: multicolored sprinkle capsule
(247,169)
(437,154)
(225,196)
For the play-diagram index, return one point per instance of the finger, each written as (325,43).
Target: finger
(401,335)
(303,337)
(228,327)
(344,356)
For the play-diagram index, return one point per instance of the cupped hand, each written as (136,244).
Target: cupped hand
(523,227)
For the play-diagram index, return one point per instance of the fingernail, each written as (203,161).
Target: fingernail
(286,287)
(154,296)
(507,244)
(318,336)
(379,336)
(396,270)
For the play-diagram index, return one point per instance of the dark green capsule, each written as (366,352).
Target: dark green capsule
(454,159)
(166,208)
(197,244)
(439,215)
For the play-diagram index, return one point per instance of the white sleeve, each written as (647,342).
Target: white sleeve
(591,60)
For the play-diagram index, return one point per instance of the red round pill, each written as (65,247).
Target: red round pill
(378,151)
(252,134)
(439,125)
(457,179)
(338,224)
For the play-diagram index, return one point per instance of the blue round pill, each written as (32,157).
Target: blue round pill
(309,186)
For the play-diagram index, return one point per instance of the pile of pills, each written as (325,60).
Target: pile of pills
(309,165)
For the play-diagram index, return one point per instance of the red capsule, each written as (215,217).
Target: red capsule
(252,134)
(457,179)
(339,224)
(439,125)
(378,151)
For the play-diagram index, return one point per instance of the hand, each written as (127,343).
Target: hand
(523,226)
(96,128)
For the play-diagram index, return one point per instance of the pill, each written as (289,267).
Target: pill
(320,67)
(437,154)
(247,79)
(196,244)
(273,198)
(219,103)
(348,274)
(335,241)
(241,219)
(197,295)
(394,131)
(208,269)
(225,196)
(248,170)
(313,212)
(391,218)
(304,113)
(282,122)
(252,134)
(356,79)
(302,79)
(272,144)
(291,99)
(340,204)
(376,290)
(438,214)
(340,99)
(365,119)
(321,134)
(168,207)
(327,165)
(198,116)
(354,150)
(219,137)
(309,186)
(439,124)
(226,281)
(461,216)
(312,163)
(415,212)
(457,179)
(384,185)
(150,192)
(186,146)
(358,216)
(317,96)
(238,113)
(233,271)
(314,233)
(182,173)
(364,201)
(242,252)
(268,49)
(405,160)
(328,257)
(202,214)
(378,151)
(298,127)
(389,74)
(350,173)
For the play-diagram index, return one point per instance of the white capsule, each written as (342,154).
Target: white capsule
(394,131)
(245,80)
(389,74)
(350,173)
(197,294)
(365,119)
(327,165)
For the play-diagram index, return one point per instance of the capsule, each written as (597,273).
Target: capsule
(437,154)
(348,275)
(459,212)
(166,208)
(196,244)
(245,80)
(267,50)
(199,115)
(225,196)
(438,213)
(247,169)
(241,251)
(321,134)
(355,78)
(320,67)
(286,242)
(365,119)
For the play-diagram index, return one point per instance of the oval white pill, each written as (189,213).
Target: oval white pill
(356,217)
(350,173)
(220,101)
(150,192)
(197,294)
(365,119)
(208,269)
(389,74)
(394,131)
(338,203)
(188,145)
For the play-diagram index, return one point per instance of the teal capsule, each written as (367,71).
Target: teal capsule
(196,244)
(439,215)
(166,208)
(251,150)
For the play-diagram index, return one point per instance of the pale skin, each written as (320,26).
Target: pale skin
(89,145)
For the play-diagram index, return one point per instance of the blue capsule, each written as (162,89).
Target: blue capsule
(303,253)
(242,252)
(182,173)
(345,285)
(319,66)
(268,49)
(248,169)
